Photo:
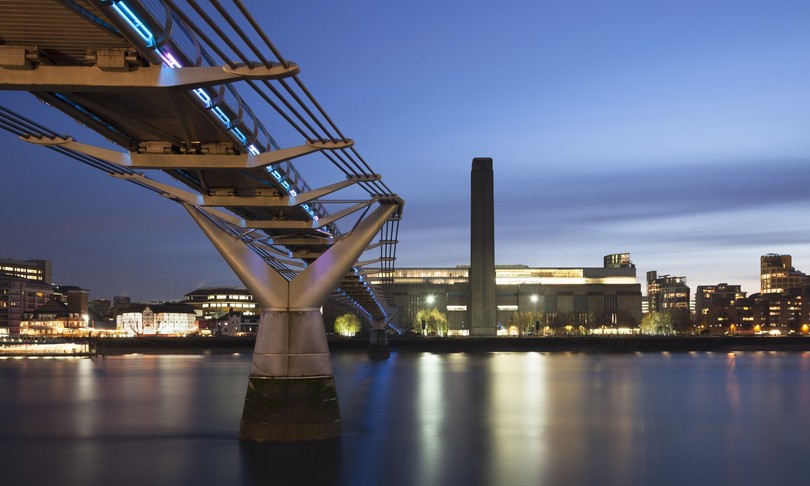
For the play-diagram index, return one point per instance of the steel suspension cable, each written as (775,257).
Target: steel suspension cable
(213,25)
(208,42)
(284,100)
(23,122)
(318,106)
(228,18)
(306,108)
(278,109)
(261,33)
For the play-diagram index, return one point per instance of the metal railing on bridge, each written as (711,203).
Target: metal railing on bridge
(179,35)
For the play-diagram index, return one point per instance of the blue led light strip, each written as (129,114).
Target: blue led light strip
(171,62)
(201,94)
(135,22)
(239,135)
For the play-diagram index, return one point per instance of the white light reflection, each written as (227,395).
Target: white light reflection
(732,385)
(430,406)
(86,395)
(176,384)
(519,426)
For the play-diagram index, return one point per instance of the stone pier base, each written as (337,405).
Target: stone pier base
(378,344)
(290,410)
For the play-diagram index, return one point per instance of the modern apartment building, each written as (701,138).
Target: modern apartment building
(24,286)
(667,293)
(714,305)
(776,274)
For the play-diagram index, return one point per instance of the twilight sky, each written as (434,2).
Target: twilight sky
(676,131)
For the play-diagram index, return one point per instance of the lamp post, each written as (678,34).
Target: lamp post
(430,300)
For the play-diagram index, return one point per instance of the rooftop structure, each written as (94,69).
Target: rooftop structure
(618,260)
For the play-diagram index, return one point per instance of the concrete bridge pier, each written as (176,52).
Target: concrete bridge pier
(291,393)
(378,344)
(378,334)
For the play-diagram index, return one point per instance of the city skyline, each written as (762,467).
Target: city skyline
(672,132)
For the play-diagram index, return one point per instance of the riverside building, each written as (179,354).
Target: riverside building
(25,285)
(580,298)
(787,312)
(36,270)
(170,319)
(715,307)
(776,274)
(667,293)
(218,302)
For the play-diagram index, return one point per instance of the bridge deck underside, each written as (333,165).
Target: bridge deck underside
(55,28)
(170,116)
(65,36)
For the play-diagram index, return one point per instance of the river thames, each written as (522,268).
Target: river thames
(509,418)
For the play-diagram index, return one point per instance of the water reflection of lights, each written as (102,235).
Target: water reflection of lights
(86,393)
(430,406)
(519,424)
(732,385)
(175,357)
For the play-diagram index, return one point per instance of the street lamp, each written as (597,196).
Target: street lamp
(430,299)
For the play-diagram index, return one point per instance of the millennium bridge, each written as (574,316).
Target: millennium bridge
(189,90)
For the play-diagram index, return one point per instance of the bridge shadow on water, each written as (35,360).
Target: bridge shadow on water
(297,463)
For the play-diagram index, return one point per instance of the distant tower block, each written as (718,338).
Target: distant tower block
(482,309)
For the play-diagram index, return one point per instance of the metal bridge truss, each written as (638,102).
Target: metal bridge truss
(162,83)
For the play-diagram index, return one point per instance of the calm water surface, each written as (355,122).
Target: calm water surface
(418,419)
